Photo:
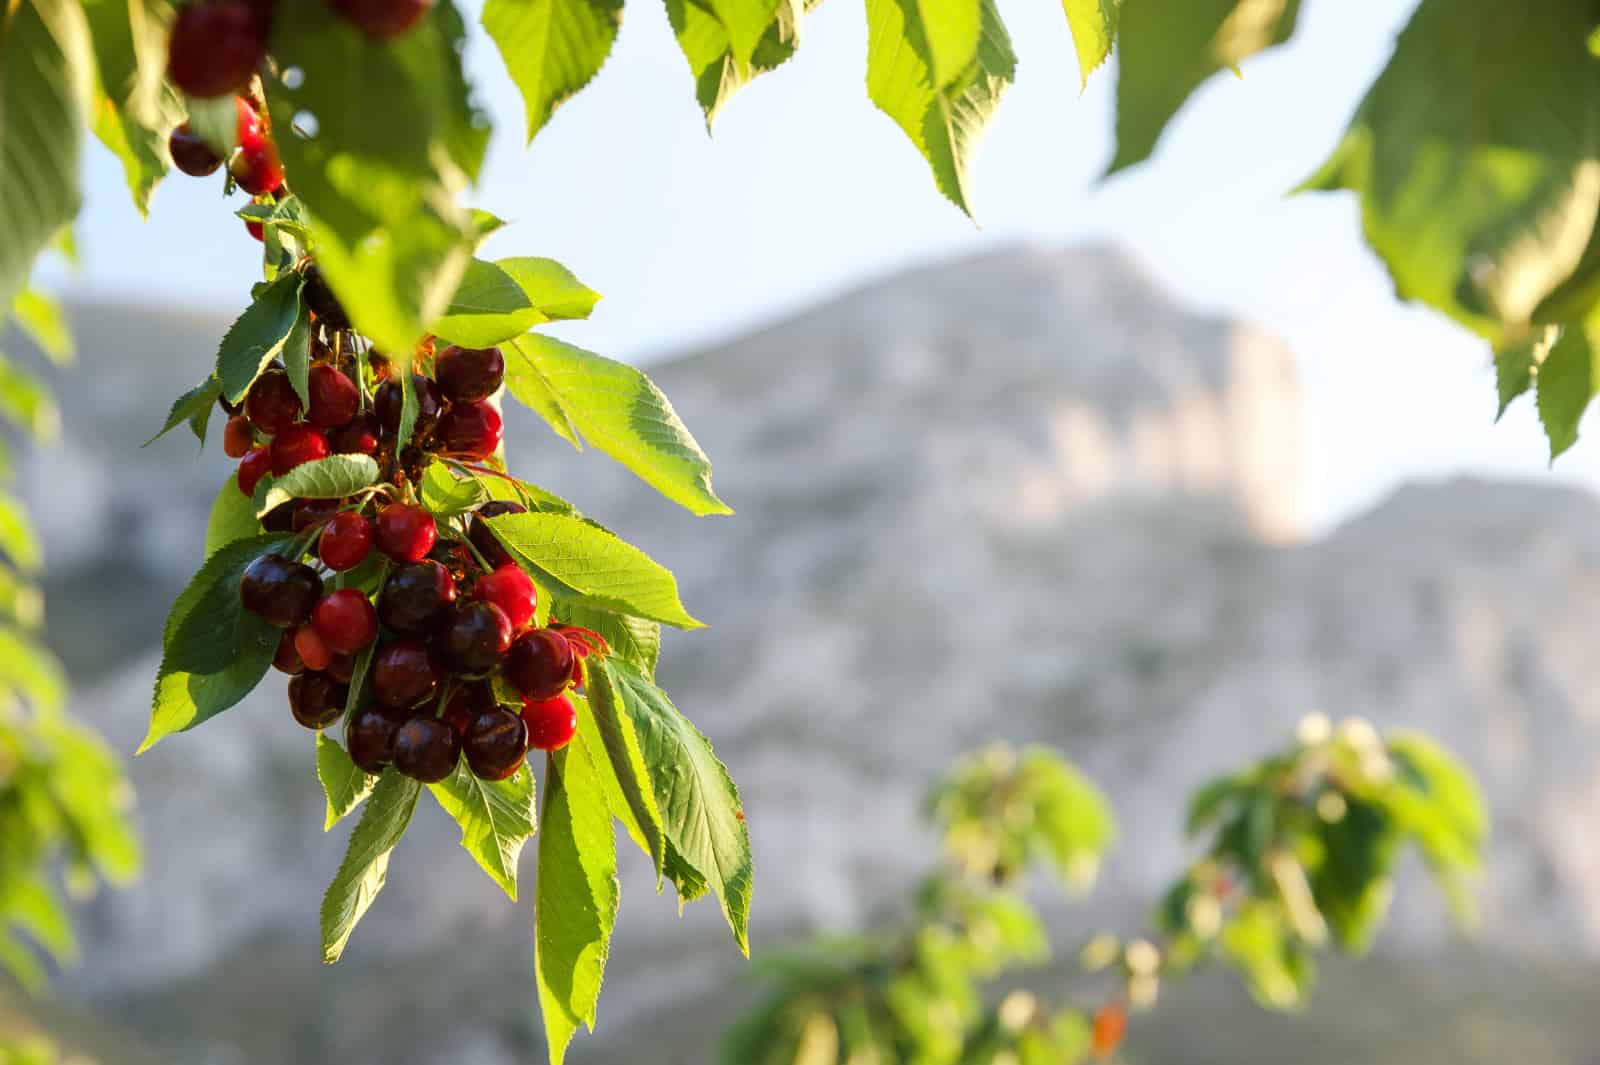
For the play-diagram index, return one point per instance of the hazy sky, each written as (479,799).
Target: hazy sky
(806,189)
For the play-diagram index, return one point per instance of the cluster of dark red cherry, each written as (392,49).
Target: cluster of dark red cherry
(452,616)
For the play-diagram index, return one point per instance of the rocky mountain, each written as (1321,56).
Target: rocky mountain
(1020,496)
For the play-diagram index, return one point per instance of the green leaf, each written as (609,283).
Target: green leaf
(134,109)
(46,88)
(216,122)
(343,782)
(635,639)
(1514,366)
(603,570)
(28,904)
(184,700)
(233,517)
(699,804)
(395,136)
(288,213)
(1167,48)
(1567,380)
(258,336)
(31,672)
(1474,159)
(551,48)
(745,23)
(577,894)
(704,41)
(208,626)
(610,736)
(40,317)
(334,477)
(496,819)
(297,349)
(501,300)
(18,539)
(448,496)
(944,121)
(194,407)
(553,289)
(1259,942)
(619,410)
(27,403)
(366,862)
(1094,31)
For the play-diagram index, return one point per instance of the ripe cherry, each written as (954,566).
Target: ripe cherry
(346,541)
(215,47)
(254,466)
(511,590)
(316,700)
(405,532)
(403,674)
(295,445)
(467,375)
(237,439)
(369,739)
(495,744)
(311,647)
(334,398)
(345,620)
(286,659)
(389,400)
(342,668)
(358,437)
(426,749)
(382,19)
(475,639)
(551,722)
(539,663)
(483,539)
(470,430)
(255,229)
(271,403)
(465,704)
(417,597)
(323,303)
(256,167)
(280,591)
(279,519)
(190,154)
(312,513)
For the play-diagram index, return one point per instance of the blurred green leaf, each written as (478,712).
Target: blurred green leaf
(40,317)
(1567,380)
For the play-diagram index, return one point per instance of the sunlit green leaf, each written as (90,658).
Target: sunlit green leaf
(366,861)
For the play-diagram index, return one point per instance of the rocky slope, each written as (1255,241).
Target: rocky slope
(1021,496)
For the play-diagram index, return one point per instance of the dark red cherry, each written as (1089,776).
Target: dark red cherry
(469,699)
(256,464)
(475,639)
(369,739)
(334,398)
(280,591)
(388,402)
(345,620)
(286,659)
(279,519)
(404,532)
(296,445)
(495,744)
(237,439)
(313,513)
(403,674)
(382,19)
(467,375)
(470,430)
(358,437)
(511,590)
(551,722)
(342,667)
(484,540)
(190,154)
(316,699)
(255,229)
(323,303)
(539,663)
(216,47)
(346,541)
(426,749)
(416,598)
(271,403)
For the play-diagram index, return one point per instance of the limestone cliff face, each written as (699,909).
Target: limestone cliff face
(1022,496)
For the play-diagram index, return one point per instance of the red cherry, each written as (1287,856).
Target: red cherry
(215,47)
(405,533)
(382,19)
(334,398)
(311,647)
(551,722)
(295,445)
(467,375)
(474,639)
(470,430)
(346,541)
(237,439)
(257,167)
(403,674)
(345,620)
(190,154)
(255,229)
(539,663)
(511,590)
(286,659)
(466,703)
(272,404)
(254,466)
(359,437)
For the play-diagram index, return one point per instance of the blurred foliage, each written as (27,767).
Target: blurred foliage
(1299,853)
(36,1051)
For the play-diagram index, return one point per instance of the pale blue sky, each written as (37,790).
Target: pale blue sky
(806,189)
